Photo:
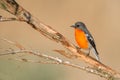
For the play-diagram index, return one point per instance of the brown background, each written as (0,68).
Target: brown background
(102,18)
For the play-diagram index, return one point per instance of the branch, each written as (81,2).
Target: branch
(23,15)
(50,58)
(3,19)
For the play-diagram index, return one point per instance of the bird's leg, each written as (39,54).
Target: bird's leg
(78,48)
(88,51)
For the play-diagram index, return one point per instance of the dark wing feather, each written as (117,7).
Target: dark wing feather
(91,40)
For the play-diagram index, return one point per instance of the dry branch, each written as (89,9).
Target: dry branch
(3,19)
(23,15)
(55,60)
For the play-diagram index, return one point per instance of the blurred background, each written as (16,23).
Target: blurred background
(101,18)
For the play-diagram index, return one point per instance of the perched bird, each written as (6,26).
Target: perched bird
(84,39)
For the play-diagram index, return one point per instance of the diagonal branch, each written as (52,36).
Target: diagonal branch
(23,15)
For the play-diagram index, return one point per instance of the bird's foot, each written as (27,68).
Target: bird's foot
(78,49)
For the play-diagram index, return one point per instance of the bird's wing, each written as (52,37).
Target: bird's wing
(91,41)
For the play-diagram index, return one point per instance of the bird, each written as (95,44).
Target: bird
(84,38)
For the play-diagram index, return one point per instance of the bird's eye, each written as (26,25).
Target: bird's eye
(77,25)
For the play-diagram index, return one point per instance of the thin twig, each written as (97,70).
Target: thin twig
(4,19)
(55,60)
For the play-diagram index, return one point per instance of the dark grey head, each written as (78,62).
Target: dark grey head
(79,25)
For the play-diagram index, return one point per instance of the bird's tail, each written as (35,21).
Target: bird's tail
(96,54)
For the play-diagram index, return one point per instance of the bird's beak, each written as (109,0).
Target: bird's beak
(72,26)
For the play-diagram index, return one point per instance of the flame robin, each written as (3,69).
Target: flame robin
(84,39)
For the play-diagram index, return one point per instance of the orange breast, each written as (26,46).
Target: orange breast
(81,39)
